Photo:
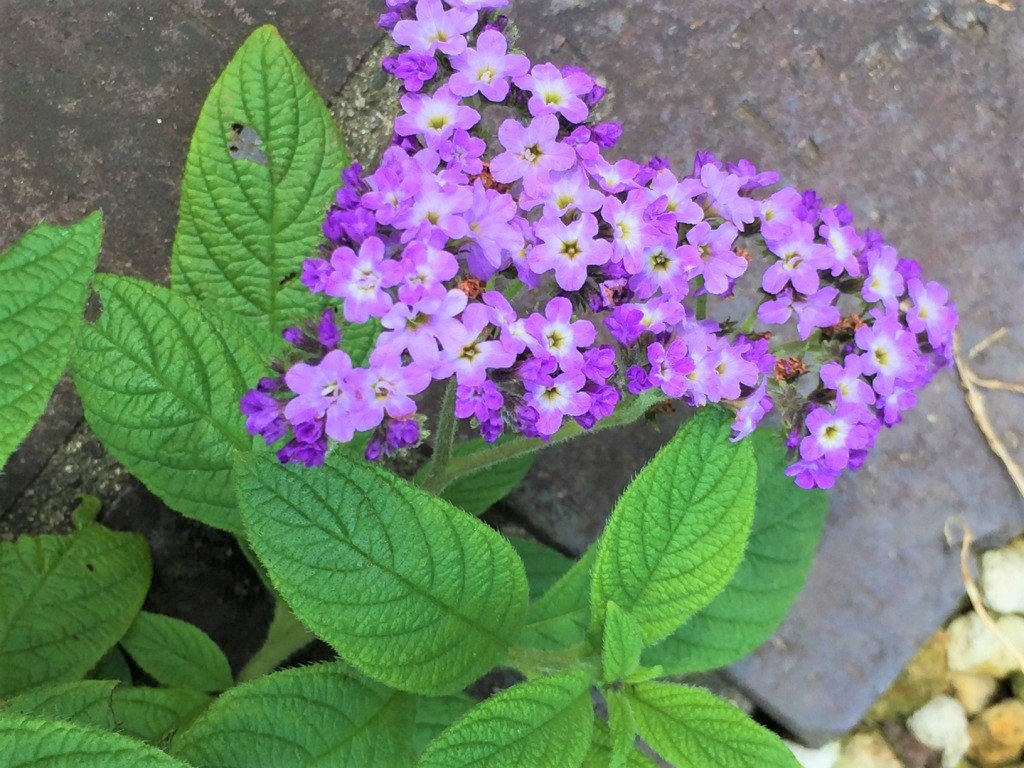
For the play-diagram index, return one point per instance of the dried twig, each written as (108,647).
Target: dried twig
(988,341)
(1004,5)
(973,592)
(972,387)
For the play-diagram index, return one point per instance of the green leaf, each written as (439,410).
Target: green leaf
(623,643)
(558,620)
(544,723)
(544,566)
(692,729)
(177,654)
(44,281)
(65,601)
(408,589)
(300,718)
(677,534)
(478,492)
(149,714)
(788,523)
(435,714)
(160,379)
(29,742)
(622,727)
(600,755)
(113,666)
(251,215)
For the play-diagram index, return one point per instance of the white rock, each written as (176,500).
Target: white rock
(826,757)
(942,724)
(974,648)
(975,692)
(1002,578)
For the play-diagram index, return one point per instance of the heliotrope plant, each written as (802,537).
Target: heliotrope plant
(497,270)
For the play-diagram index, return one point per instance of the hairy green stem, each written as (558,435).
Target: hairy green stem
(432,477)
(441,476)
(533,662)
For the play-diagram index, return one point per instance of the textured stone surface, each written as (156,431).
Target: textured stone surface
(910,111)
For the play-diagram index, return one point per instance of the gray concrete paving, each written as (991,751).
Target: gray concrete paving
(908,110)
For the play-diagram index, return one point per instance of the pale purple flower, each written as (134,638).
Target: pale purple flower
(437,205)
(435,117)
(845,242)
(419,327)
(514,335)
(568,191)
(890,353)
(883,281)
(361,280)
(462,152)
(555,335)
(487,68)
(799,259)
(846,379)
(323,392)
(724,190)
(818,310)
(425,267)
(493,236)
(930,312)
(834,434)
(533,153)
(435,29)
(553,92)
(671,367)
(753,408)
(467,354)
(386,388)
(708,253)
(555,398)
(568,250)
(664,269)
(679,196)
(413,68)
(629,228)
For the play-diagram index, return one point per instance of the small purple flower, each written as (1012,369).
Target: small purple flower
(481,401)
(463,153)
(323,391)
(418,328)
(883,282)
(435,117)
(555,335)
(671,367)
(435,29)
(467,354)
(817,310)
(799,259)
(834,434)
(414,69)
(555,398)
(845,242)
(890,353)
(753,408)
(360,280)
(487,68)
(931,313)
(724,190)
(553,92)
(532,153)
(846,380)
(386,388)
(708,253)
(264,416)
(568,250)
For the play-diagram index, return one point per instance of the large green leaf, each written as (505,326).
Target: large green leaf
(65,601)
(559,618)
(29,742)
(262,168)
(435,714)
(788,522)
(621,645)
(407,588)
(478,492)
(544,723)
(692,729)
(160,378)
(544,566)
(44,279)
(677,534)
(177,654)
(300,718)
(149,714)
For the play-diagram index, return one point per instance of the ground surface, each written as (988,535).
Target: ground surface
(908,110)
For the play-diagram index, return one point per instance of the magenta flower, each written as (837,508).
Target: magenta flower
(487,68)
(708,253)
(435,29)
(568,250)
(553,92)
(435,117)
(532,154)
(414,69)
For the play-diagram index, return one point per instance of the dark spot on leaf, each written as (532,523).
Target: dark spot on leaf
(288,278)
(246,144)
(91,567)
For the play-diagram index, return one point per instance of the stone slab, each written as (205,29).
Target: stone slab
(910,111)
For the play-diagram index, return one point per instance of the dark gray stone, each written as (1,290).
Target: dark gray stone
(910,111)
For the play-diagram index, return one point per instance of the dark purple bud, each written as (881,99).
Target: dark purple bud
(309,431)
(327,330)
(595,96)
(295,337)
(607,135)
(498,24)
(269,384)
(374,450)
(387,21)
(315,273)
(637,380)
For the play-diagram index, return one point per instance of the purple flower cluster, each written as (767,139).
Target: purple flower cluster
(551,282)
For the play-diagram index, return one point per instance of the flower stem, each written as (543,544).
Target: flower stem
(432,476)
(440,476)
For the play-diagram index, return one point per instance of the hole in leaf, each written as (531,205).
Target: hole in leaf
(245,144)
